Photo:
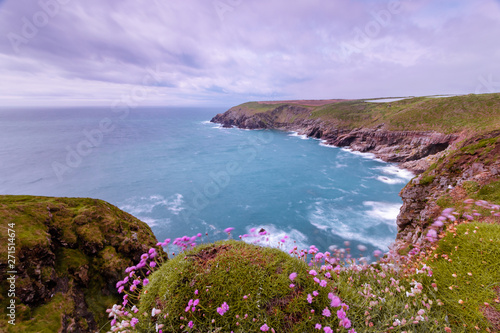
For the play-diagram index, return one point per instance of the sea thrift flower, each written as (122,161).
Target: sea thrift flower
(145,282)
(341,314)
(323,283)
(292,276)
(327,329)
(264,328)
(318,326)
(134,321)
(228,230)
(335,300)
(313,272)
(326,312)
(223,309)
(309,298)
(315,293)
(346,322)
(292,285)
(190,324)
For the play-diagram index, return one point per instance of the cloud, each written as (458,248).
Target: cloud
(229,51)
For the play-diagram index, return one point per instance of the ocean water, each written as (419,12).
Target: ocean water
(181,174)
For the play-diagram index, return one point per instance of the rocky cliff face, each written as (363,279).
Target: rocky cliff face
(390,146)
(69,255)
(418,151)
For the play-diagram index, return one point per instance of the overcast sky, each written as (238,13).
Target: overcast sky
(222,53)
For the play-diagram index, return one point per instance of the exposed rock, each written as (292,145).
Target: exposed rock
(417,151)
(390,146)
(69,256)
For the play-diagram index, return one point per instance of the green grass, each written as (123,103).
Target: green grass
(473,255)
(469,113)
(80,233)
(490,192)
(226,272)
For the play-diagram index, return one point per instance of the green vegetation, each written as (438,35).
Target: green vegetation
(466,266)
(426,180)
(490,192)
(227,272)
(69,254)
(471,113)
(234,286)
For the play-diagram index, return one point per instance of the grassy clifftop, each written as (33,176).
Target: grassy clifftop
(475,113)
(69,253)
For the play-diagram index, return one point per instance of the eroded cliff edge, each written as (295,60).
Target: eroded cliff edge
(451,144)
(69,254)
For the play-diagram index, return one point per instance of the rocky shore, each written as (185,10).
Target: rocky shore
(427,154)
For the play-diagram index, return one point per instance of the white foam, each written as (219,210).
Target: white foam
(274,236)
(175,206)
(206,122)
(296,134)
(383,210)
(148,220)
(394,170)
(369,156)
(142,205)
(391,181)
(327,218)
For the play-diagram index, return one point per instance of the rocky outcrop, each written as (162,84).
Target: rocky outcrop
(467,171)
(417,151)
(390,146)
(69,254)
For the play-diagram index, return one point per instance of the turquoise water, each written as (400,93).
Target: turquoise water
(182,175)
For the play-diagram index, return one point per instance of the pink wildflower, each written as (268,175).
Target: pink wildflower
(292,276)
(309,298)
(326,312)
(264,328)
(318,326)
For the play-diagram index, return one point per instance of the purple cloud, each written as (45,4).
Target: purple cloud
(226,52)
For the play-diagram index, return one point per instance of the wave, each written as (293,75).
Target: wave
(143,205)
(369,156)
(383,210)
(394,170)
(274,237)
(301,136)
(391,181)
(375,227)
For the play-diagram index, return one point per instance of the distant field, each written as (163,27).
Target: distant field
(475,113)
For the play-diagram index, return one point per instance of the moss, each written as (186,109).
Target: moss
(226,272)
(70,260)
(473,148)
(490,192)
(74,230)
(470,187)
(426,180)
(445,201)
(47,318)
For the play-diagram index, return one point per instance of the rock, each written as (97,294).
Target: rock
(70,261)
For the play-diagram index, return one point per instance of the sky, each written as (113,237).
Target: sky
(226,52)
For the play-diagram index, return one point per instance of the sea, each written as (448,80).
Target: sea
(182,175)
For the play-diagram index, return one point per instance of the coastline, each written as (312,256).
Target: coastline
(440,162)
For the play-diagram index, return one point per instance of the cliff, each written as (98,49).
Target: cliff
(420,134)
(69,254)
